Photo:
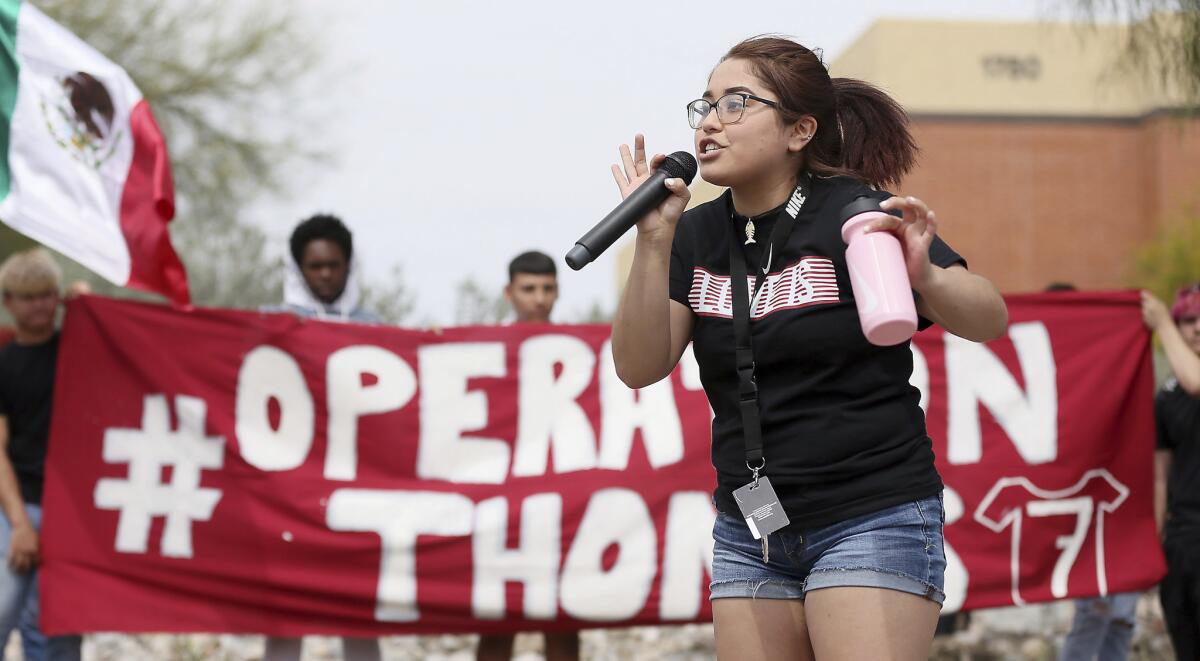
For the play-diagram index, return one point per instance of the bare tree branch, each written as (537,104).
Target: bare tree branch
(1163,39)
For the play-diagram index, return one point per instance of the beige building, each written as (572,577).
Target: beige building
(1044,158)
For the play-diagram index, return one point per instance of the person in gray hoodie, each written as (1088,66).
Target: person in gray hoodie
(322,280)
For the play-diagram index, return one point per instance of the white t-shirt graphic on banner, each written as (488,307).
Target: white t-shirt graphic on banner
(1012,499)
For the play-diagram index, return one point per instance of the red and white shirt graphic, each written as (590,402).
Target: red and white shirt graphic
(810,281)
(1037,519)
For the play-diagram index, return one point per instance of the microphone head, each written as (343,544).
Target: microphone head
(681,165)
(578,257)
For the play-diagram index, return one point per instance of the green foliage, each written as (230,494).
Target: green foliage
(11,241)
(230,267)
(1171,258)
(216,73)
(594,314)
(1163,39)
(220,76)
(476,305)
(224,79)
(392,301)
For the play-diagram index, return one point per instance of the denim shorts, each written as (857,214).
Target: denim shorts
(899,548)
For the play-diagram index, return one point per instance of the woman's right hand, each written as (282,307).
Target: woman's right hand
(661,222)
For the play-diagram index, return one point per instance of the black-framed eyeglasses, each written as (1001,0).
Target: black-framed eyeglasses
(729,108)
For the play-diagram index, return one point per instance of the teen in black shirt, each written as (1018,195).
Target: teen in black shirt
(29,283)
(1177,508)
(26,390)
(858,571)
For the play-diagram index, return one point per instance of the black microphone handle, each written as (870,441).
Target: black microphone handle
(640,202)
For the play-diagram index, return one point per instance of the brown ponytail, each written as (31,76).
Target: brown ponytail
(861,131)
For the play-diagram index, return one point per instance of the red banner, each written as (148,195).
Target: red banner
(230,471)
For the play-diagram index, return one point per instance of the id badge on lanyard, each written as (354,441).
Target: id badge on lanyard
(757,500)
(762,510)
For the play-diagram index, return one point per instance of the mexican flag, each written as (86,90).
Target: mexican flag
(85,168)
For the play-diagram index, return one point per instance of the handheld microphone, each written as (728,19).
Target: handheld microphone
(640,202)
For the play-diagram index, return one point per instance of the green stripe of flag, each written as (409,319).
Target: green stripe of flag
(8,83)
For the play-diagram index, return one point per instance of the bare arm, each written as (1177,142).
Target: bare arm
(650,330)
(1185,364)
(963,303)
(23,550)
(1162,468)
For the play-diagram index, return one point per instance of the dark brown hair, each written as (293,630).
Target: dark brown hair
(321,226)
(861,131)
(534,262)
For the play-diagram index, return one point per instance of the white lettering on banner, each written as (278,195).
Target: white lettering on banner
(398,517)
(688,556)
(534,564)
(976,376)
(616,519)
(920,379)
(689,375)
(613,517)
(269,373)
(549,418)
(689,369)
(1011,498)
(956,577)
(448,409)
(623,411)
(551,422)
(1068,544)
(350,398)
(142,496)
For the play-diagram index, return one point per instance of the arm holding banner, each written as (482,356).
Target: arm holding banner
(1183,360)
(23,551)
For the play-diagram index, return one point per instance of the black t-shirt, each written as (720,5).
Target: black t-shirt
(26,392)
(1177,416)
(843,432)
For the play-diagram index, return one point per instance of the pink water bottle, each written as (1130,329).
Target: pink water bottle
(878,275)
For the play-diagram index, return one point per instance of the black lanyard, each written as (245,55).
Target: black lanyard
(743,347)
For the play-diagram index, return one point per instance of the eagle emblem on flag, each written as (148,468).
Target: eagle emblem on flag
(80,119)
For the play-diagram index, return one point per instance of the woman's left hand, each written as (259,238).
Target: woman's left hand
(1154,312)
(915,231)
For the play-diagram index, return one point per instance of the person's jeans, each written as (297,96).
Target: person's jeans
(1103,628)
(353,649)
(19,603)
(33,641)
(895,548)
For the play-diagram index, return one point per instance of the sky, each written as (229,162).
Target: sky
(461,134)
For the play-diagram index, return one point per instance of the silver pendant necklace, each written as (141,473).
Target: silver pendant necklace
(799,196)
